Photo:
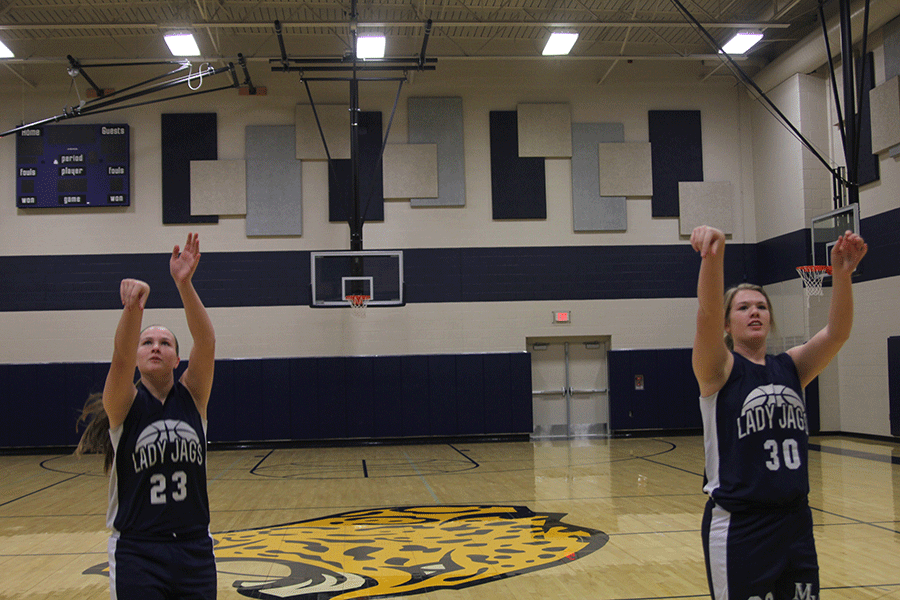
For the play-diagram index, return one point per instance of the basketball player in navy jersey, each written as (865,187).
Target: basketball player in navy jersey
(160,546)
(757,526)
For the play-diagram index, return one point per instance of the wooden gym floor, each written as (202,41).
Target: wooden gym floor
(598,519)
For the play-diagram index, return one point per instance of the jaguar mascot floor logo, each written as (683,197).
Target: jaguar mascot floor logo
(396,551)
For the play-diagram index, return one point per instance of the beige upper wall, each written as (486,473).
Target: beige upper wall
(483,88)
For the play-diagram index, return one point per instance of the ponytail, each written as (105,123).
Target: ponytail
(95,437)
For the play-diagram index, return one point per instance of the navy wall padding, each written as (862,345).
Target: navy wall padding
(868,162)
(371,181)
(882,235)
(676,152)
(244,279)
(185,137)
(669,399)
(518,185)
(893,353)
(302,399)
(780,256)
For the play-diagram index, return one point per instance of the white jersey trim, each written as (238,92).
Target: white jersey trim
(710,441)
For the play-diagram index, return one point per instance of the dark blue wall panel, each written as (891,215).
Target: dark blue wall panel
(388,417)
(371,183)
(91,282)
(518,185)
(676,152)
(470,379)
(185,137)
(670,395)
(308,399)
(415,400)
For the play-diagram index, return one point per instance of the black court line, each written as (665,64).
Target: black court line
(857,454)
(38,491)
(464,455)
(365,469)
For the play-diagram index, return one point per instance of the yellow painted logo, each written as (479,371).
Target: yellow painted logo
(396,551)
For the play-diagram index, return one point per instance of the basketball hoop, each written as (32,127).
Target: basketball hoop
(812,276)
(358,303)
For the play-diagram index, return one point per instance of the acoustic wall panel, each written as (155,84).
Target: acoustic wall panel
(410,171)
(335,123)
(218,187)
(705,203)
(184,137)
(440,121)
(371,188)
(676,154)
(590,210)
(518,185)
(274,181)
(545,130)
(884,102)
(626,169)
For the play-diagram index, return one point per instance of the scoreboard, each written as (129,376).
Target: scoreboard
(73,166)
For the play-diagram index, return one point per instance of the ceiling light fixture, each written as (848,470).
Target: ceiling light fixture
(370,46)
(742,42)
(5,52)
(182,44)
(560,43)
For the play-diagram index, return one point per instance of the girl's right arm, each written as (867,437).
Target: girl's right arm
(119,390)
(711,359)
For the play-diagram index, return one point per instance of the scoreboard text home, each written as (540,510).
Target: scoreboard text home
(73,165)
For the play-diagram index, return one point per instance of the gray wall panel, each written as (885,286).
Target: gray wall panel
(590,211)
(440,121)
(274,181)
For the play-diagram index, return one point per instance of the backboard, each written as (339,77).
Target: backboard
(827,228)
(375,273)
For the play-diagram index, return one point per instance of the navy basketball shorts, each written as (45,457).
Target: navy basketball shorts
(161,570)
(767,555)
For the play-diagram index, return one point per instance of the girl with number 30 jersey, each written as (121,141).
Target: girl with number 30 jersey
(757,525)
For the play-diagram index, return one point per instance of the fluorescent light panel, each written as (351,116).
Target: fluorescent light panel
(370,46)
(182,44)
(560,43)
(5,52)
(742,42)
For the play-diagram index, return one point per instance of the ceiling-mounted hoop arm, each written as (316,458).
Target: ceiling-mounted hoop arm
(109,104)
(182,66)
(331,168)
(425,43)
(163,86)
(746,80)
(352,66)
(78,69)
(284,57)
(380,160)
(243,62)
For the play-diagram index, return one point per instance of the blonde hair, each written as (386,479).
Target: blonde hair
(730,293)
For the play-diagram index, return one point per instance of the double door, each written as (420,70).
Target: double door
(570,396)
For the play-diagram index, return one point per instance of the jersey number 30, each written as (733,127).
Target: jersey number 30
(789,451)
(158,487)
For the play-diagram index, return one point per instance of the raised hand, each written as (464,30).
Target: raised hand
(134,293)
(184,261)
(707,240)
(847,252)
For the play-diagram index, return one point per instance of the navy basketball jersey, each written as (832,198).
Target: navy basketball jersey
(756,437)
(158,483)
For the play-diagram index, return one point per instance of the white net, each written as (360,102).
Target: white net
(812,277)
(358,303)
